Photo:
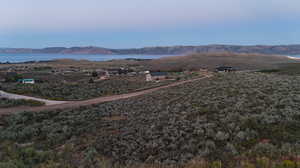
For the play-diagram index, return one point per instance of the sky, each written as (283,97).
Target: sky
(141,23)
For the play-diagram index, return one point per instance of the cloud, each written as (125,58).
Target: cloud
(135,14)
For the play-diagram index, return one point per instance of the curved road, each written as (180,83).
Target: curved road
(16,96)
(76,104)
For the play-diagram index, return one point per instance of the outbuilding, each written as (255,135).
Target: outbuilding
(156,76)
(225,69)
(26,81)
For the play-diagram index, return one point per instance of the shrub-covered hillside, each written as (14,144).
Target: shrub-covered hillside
(81,90)
(228,117)
(213,60)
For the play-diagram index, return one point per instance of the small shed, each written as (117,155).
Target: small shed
(26,81)
(156,76)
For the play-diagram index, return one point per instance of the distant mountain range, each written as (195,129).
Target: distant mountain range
(171,50)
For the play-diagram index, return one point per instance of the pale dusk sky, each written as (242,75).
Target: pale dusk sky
(138,23)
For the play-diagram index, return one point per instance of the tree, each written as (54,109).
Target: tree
(12,77)
(91,81)
(94,74)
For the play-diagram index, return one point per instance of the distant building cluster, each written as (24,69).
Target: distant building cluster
(225,69)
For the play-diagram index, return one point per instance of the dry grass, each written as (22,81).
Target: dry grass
(212,60)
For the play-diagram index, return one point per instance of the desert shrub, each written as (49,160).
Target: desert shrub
(94,74)
(287,164)
(13,77)
(42,68)
(216,164)
(26,157)
(269,71)
(217,119)
(91,81)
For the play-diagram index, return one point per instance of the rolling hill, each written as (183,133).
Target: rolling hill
(168,50)
(212,60)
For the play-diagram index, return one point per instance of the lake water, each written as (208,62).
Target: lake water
(15,58)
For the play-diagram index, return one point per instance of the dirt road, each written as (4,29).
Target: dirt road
(16,96)
(76,104)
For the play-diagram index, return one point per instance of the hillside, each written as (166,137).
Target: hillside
(179,50)
(230,118)
(171,50)
(212,60)
(59,50)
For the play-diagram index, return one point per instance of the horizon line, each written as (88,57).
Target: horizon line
(94,46)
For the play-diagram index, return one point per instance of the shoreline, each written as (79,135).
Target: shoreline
(34,58)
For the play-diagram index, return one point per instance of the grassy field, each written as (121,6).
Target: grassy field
(231,120)
(285,69)
(211,61)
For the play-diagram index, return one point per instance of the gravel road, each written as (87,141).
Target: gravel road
(15,96)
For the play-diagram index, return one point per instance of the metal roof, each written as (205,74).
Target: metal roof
(26,80)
